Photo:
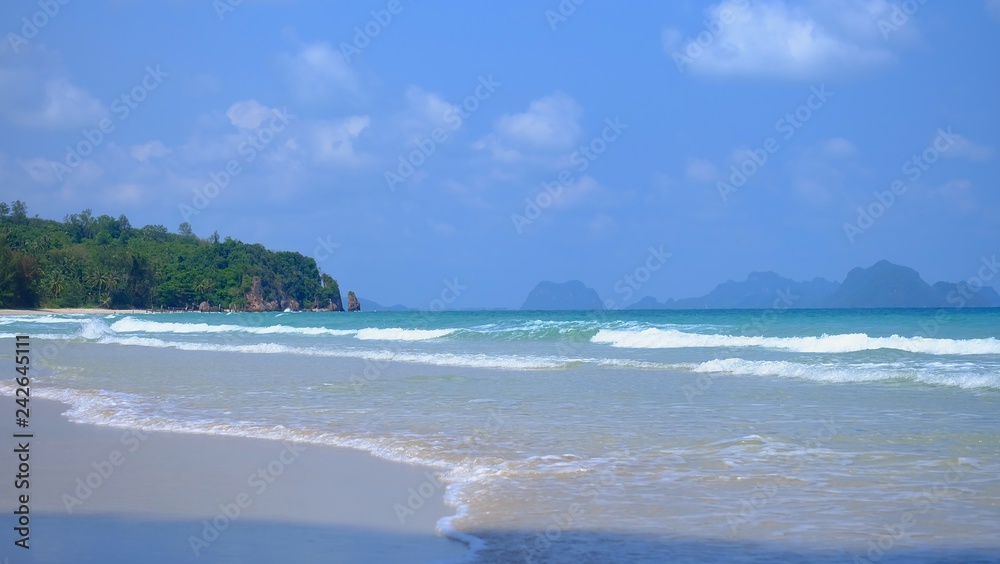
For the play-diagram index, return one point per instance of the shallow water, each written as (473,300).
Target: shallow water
(810,435)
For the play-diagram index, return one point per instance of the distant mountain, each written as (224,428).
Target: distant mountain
(649,302)
(961,295)
(889,285)
(884,284)
(369,305)
(760,290)
(567,295)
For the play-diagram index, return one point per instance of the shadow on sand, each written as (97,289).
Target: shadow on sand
(109,538)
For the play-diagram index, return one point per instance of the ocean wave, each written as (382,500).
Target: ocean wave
(670,338)
(38,336)
(133,325)
(962,376)
(49,319)
(400,334)
(509,362)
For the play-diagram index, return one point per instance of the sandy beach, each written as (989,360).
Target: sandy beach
(71,311)
(104,494)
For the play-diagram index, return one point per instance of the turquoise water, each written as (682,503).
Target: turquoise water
(809,435)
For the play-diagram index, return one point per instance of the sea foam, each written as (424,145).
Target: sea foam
(854,372)
(670,339)
(400,334)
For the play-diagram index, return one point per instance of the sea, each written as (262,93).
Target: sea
(608,436)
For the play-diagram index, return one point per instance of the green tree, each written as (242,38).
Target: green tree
(88,261)
(57,284)
(19,277)
(19,212)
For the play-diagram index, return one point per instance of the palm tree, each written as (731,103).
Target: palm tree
(110,280)
(57,283)
(202,287)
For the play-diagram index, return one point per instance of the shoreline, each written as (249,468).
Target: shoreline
(106,494)
(72,311)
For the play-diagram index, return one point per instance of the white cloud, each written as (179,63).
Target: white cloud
(957,194)
(333,141)
(815,173)
(602,223)
(838,147)
(36,91)
(319,73)
(700,170)
(491,143)
(248,114)
(125,194)
(550,123)
(963,147)
(663,182)
(30,100)
(441,229)
(769,38)
(145,151)
(576,192)
(39,170)
(993,7)
(66,105)
(811,191)
(426,110)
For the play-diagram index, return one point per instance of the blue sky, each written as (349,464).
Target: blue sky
(406,144)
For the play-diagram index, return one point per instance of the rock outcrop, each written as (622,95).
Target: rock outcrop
(255,298)
(352,302)
(204,307)
(329,305)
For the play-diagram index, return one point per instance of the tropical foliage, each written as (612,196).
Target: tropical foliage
(103,261)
